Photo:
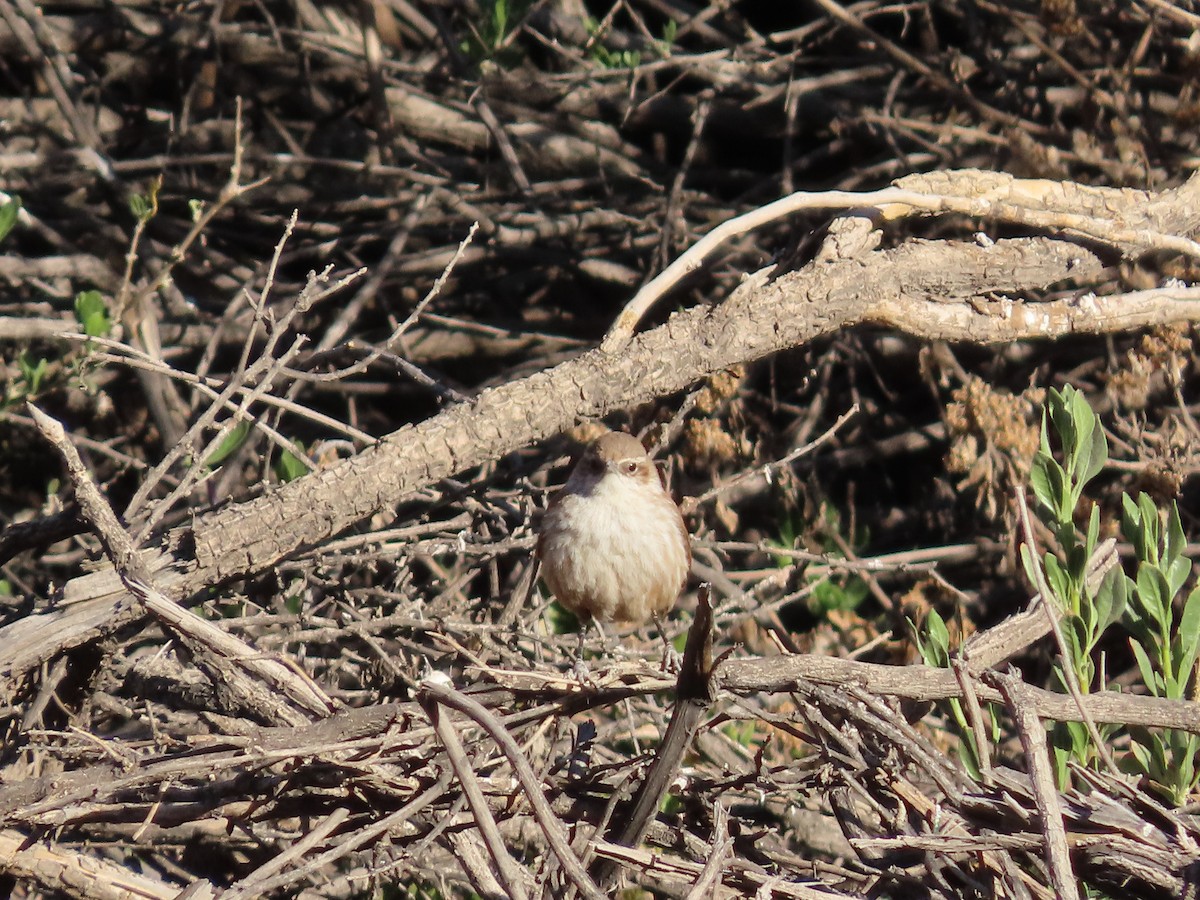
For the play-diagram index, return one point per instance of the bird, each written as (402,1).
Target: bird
(613,546)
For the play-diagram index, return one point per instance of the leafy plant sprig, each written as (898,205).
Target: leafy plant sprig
(830,591)
(489,39)
(933,643)
(1165,643)
(606,57)
(1083,579)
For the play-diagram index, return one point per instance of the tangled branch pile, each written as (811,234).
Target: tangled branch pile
(311,289)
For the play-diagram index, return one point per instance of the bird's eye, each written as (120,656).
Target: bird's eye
(629,466)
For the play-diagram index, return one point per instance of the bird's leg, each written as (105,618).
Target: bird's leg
(606,649)
(671,659)
(580,668)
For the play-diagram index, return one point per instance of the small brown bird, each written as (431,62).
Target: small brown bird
(613,544)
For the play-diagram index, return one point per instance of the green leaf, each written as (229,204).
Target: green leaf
(1097,455)
(1031,567)
(1093,531)
(289,466)
(1046,479)
(663,45)
(1149,678)
(960,717)
(939,634)
(1078,637)
(1185,778)
(1140,616)
(1111,598)
(1084,425)
(1132,526)
(1044,438)
(1176,576)
(1152,524)
(829,596)
(230,445)
(92,313)
(500,19)
(32,372)
(8,216)
(1156,600)
(1171,688)
(1059,407)
(1188,636)
(966,755)
(1142,755)
(1160,766)
(938,640)
(921,640)
(1061,771)
(1081,741)
(1076,561)
(145,206)
(1174,541)
(1060,583)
